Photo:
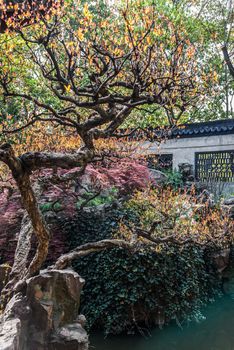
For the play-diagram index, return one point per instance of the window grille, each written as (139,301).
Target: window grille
(215,166)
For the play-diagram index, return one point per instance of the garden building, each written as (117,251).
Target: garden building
(208,147)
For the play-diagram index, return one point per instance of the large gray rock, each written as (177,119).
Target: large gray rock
(47,317)
(13,322)
(54,297)
(10,335)
(69,337)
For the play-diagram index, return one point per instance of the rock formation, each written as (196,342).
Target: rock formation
(228,206)
(45,316)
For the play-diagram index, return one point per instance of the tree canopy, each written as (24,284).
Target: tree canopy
(74,75)
(87,64)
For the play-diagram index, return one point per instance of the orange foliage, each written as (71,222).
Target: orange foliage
(94,70)
(166,213)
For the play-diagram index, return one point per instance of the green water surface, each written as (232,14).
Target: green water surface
(215,332)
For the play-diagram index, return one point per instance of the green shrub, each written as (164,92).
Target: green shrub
(174,179)
(92,200)
(55,206)
(124,291)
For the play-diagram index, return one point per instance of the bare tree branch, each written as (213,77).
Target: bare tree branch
(228,60)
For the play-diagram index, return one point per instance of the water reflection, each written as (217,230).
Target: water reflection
(216,332)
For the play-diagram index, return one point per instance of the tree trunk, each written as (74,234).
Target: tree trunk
(29,202)
(21,168)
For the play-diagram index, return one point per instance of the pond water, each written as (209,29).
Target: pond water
(215,332)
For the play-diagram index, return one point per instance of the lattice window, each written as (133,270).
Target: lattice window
(160,161)
(215,166)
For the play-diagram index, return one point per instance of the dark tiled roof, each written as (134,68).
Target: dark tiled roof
(217,127)
(212,128)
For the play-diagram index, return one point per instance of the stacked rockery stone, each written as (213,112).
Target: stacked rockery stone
(228,206)
(45,316)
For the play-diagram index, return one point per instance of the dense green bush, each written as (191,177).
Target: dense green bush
(126,291)
(174,179)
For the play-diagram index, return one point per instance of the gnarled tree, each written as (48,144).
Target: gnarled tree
(86,69)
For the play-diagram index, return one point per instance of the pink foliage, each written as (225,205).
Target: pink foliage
(126,175)
(10,218)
